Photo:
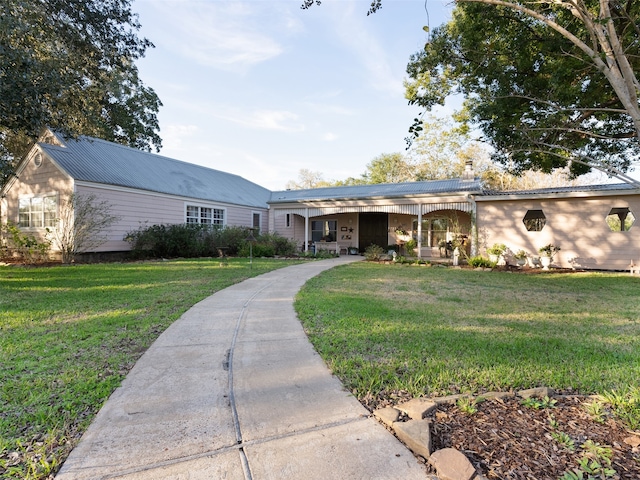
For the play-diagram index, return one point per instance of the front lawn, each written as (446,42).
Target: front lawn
(69,335)
(432,331)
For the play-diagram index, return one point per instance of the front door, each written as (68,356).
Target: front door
(373,230)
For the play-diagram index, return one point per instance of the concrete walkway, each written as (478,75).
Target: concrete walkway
(234,390)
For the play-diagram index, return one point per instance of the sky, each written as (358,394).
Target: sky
(263,89)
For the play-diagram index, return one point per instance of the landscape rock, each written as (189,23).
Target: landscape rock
(449,399)
(452,465)
(416,435)
(539,392)
(417,408)
(496,395)
(387,415)
(632,440)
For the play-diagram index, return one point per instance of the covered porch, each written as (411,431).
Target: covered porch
(423,230)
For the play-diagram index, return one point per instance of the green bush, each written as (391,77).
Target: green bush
(410,246)
(281,246)
(27,246)
(258,249)
(232,238)
(170,241)
(190,240)
(480,261)
(373,252)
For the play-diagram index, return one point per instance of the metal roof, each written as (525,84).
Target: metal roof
(98,161)
(382,190)
(608,187)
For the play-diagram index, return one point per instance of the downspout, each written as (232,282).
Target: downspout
(271,216)
(419,231)
(306,229)
(474,225)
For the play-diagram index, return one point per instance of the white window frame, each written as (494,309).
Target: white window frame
(325,230)
(256,228)
(205,214)
(42,221)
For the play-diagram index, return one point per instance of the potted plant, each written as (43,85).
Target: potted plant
(410,246)
(546,255)
(521,257)
(495,251)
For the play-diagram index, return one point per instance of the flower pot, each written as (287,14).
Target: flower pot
(521,262)
(545,262)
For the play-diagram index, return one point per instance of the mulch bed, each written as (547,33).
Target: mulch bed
(506,440)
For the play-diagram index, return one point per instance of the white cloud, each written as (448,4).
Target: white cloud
(225,35)
(174,135)
(280,120)
(330,137)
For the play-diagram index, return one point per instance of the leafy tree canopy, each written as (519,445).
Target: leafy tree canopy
(550,84)
(69,65)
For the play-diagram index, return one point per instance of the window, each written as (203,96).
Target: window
(38,212)
(620,219)
(324,230)
(434,231)
(534,220)
(205,215)
(256,222)
(288,220)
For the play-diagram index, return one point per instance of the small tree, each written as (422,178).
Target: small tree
(81,225)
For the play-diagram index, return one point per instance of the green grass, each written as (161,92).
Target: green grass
(69,335)
(436,331)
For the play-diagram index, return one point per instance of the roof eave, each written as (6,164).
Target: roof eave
(376,197)
(546,195)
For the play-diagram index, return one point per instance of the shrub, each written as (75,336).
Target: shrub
(191,240)
(281,246)
(258,249)
(373,252)
(497,249)
(480,261)
(233,238)
(410,246)
(28,247)
(170,241)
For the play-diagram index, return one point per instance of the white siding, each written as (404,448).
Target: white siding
(140,209)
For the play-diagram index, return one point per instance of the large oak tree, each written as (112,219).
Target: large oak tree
(70,65)
(550,83)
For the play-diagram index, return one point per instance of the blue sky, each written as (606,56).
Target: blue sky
(262,88)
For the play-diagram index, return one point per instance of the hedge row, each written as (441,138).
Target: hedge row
(191,240)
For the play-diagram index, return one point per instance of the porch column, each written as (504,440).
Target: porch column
(474,226)
(306,229)
(420,232)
